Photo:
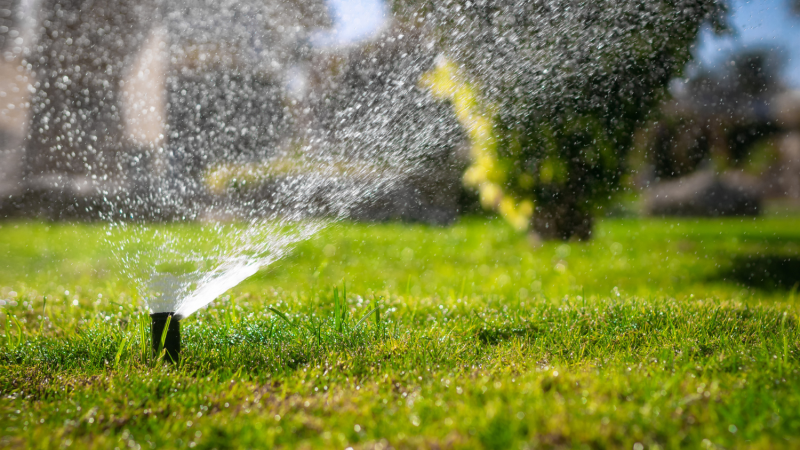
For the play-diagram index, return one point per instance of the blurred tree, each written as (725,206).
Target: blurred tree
(369,107)
(562,85)
(722,113)
(373,108)
(9,16)
(76,148)
(754,72)
(222,95)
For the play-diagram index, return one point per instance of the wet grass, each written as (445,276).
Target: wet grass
(461,337)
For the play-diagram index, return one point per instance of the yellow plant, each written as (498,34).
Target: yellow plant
(485,172)
(222,177)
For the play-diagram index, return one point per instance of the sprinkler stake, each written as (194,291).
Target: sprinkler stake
(172,340)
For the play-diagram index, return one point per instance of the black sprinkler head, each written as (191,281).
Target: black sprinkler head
(172,340)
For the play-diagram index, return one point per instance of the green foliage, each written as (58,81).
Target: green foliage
(570,81)
(453,338)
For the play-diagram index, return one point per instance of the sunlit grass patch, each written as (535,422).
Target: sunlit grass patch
(464,337)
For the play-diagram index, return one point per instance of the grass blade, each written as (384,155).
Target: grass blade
(282,316)
(365,317)
(19,329)
(336,319)
(122,346)
(161,350)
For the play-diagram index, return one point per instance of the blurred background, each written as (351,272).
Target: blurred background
(735,112)
(150,93)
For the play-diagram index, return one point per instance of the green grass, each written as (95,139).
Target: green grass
(656,334)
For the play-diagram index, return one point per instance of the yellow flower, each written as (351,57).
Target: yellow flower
(491,195)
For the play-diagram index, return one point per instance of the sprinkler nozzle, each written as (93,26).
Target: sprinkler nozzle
(172,337)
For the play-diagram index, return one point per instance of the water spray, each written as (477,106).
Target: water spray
(166,333)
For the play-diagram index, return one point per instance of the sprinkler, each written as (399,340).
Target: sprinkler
(172,340)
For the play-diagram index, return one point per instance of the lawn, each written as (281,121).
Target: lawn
(655,334)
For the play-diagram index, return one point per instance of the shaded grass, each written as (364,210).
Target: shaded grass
(769,272)
(426,349)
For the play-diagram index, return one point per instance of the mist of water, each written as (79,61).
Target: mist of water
(216,136)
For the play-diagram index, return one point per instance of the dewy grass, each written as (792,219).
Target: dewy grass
(639,337)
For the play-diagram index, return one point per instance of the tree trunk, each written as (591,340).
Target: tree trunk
(562,221)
